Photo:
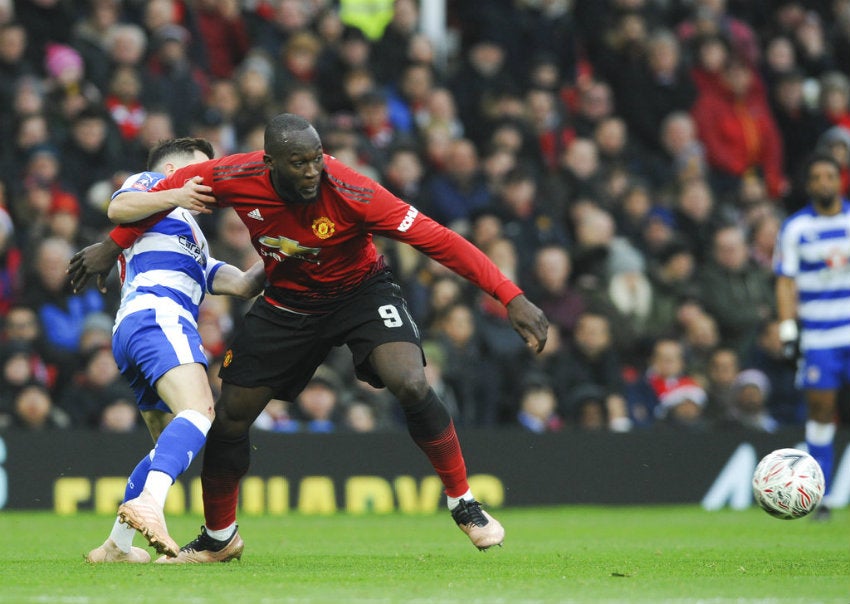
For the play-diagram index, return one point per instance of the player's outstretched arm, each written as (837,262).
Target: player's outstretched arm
(529,322)
(130,206)
(94,260)
(232,281)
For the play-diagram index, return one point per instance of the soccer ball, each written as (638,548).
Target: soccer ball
(788,484)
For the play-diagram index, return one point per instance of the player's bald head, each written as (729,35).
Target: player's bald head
(286,132)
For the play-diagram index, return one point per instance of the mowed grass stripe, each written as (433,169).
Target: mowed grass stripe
(567,554)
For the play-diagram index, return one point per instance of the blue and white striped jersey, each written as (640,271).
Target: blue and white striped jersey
(168,268)
(814,250)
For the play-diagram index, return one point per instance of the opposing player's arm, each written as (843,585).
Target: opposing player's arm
(786,298)
(233,281)
(131,206)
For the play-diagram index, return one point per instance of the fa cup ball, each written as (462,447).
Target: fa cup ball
(788,484)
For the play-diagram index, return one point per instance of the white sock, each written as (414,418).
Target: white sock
(122,535)
(454,501)
(222,534)
(157,484)
(818,433)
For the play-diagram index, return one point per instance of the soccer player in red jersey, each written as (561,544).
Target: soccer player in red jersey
(311,219)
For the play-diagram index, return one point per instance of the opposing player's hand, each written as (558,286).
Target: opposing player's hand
(529,322)
(94,260)
(195,196)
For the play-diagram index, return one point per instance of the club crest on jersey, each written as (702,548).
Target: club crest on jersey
(289,248)
(228,357)
(323,227)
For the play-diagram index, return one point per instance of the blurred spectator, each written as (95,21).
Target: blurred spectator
(353,53)
(376,129)
(595,102)
(547,119)
(156,126)
(587,406)
(121,415)
(697,217)
(276,417)
(537,408)
(224,35)
(762,240)
(391,49)
(11,260)
(298,63)
(91,153)
(836,142)
(48,365)
(672,279)
(834,98)
(174,80)
(593,361)
(498,336)
(711,17)
(360,416)
(785,400)
(318,405)
(550,287)
(658,85)
(481,76)
(96,386)
(127,44)
(579,175)
(667,392)
(13,62)
(403,174)
(700,339)
(738,130)
(453,196)
(473,375)
(69,93)
(799,125)
(723,368)
(255,84)
(97,332)
(275,22)
(683,156)
(734,290)
(34,410)
(526,221)
(123,101)
(90,35)
(750,392)
(61,311)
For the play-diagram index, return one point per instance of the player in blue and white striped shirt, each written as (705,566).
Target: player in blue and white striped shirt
(156,343)
(812,265)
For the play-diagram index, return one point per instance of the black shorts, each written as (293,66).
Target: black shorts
(282,349)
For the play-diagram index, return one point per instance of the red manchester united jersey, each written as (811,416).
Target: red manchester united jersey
(318,251)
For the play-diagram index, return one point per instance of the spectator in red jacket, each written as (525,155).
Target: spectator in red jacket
(738,130)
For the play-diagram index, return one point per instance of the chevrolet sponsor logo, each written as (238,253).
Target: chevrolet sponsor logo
(290,248)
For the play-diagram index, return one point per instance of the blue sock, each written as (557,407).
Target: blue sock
(180,443)
(824,455)
(136,482)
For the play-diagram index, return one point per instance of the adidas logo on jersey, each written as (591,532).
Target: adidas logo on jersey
(255,214)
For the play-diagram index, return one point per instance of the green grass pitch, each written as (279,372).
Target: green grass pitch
(565,554)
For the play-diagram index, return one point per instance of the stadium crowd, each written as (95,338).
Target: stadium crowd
(627,162)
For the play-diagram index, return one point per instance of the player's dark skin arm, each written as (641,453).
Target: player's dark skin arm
(94,260)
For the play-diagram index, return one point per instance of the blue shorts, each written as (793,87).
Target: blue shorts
(147,344)
(824,369)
